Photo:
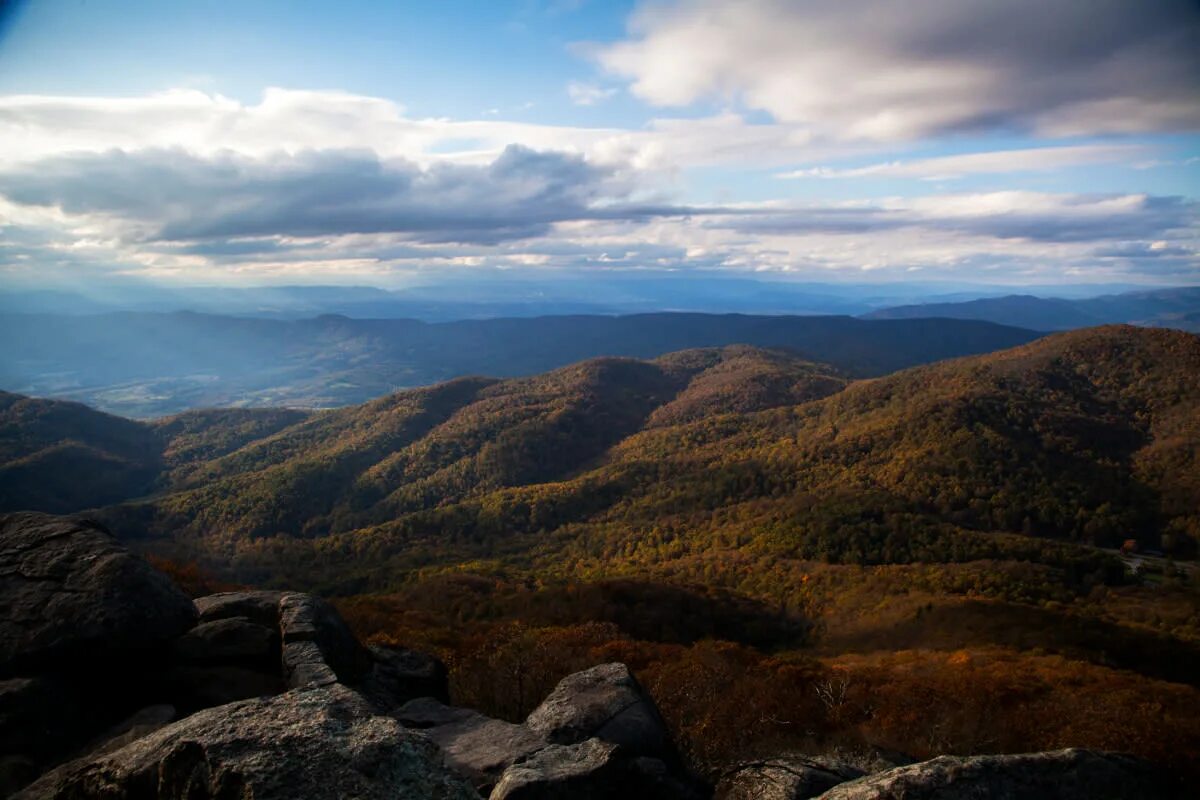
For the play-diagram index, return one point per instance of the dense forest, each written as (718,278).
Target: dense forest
(925,562)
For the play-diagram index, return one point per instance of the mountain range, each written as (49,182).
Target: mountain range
(1168,308)
(146,365)
(512,294)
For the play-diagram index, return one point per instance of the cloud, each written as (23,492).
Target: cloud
(174,196)
(859,69)
(34,127)
(992,162)
(588,94)
(1030,216)
(196,187)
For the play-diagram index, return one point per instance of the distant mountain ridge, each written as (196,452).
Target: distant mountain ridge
(1168,308)
(154,364)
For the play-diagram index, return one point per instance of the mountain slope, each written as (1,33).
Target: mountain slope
(1085,437)
(343,469)
(60,457)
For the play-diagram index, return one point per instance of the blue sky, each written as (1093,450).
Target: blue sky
(991,141)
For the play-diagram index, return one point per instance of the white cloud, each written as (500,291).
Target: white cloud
(202,187)
(289,121)
(860,69)
(588,94)
(992,162)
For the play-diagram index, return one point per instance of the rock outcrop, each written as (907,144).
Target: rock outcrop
(785,778)
(1062,774)
(86,628)
(99,651)
(590,770)
(607,703)
(597,735)
(306,622)
(261,606)
(479,747)
(72,594)
(318,742)
(235,639)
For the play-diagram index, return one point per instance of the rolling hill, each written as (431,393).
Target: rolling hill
(1082,437)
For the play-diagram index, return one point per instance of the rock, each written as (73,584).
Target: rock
(787,778)
(589,770)
(72,595)
(399,675)
(15,773)
(605,702)
(197,687)
(1062,774)
(229,640)
(304,665)
(320,744)
(141,723)
(653,777)
(305,618)
(477,746)
(261,607)
(37,715)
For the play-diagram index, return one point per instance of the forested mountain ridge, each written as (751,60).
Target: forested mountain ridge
(1087,436)
(465,436)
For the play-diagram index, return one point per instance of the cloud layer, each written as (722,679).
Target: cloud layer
(175,196)
(862,69)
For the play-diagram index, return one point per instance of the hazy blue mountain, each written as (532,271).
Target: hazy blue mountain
(1171,308)
(142,364)
(511,294)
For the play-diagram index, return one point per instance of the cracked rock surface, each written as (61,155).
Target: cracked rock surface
(784,778)
(71,592)
(1072,774)
(605,702)
(321,743)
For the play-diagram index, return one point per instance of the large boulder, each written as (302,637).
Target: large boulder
(141,723)
(196,686)
(1062,774)
(231,640)
(479,747)
(316,743)
(590,770)
(785,778)
(257,605)
(73,596)
(607,703)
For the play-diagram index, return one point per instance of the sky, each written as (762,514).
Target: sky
(1000,142)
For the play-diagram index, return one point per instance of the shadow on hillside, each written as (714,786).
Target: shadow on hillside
(972,623)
